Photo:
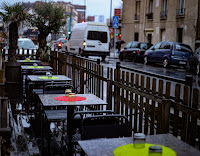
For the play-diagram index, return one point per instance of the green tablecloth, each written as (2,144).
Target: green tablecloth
(129,150)
(48,78)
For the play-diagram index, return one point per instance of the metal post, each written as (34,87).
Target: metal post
(110,13)
(189,80)
(114,41)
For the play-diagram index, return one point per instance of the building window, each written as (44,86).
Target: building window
(162,35)
(163,13)
(149,38)
(137,13)
(180,12)
(180,35)
(136,36)
(150,14)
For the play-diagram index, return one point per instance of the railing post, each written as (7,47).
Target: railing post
(117,96)
(188,81)
(64,64)
(165,111)
(55,62)
(98,80)
(109,94)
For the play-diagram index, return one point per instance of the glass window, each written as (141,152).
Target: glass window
(197,51)
(135,45)
(128,45)
(165,45)
(26,44)
(182,47)
(98,35)
(157,45)
(143,46)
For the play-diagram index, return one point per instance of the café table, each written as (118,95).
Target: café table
(39,80)
(29,62)
(50,101)
(31,68)
(105,147)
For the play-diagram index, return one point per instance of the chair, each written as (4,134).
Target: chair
(57,88)
(110,125)
(42,72)
(105,126)
(77,117)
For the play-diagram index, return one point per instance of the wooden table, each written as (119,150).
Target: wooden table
(105,147)
(48,101)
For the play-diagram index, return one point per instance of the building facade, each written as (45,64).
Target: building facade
(161,20)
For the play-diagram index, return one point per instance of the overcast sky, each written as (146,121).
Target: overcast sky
(93,7)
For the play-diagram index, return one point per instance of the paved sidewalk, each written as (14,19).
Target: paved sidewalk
(114,54)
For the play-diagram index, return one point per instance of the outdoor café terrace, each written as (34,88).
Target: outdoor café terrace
(72,105)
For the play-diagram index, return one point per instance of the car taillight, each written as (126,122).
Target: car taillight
(138,51)
(60,44)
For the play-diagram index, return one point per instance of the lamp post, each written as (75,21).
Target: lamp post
(110,13)
(84,10)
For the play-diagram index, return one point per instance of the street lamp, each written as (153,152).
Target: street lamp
(84,10)
(110,12)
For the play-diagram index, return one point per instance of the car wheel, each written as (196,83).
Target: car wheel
(165,63)
(197,69)
(146,60)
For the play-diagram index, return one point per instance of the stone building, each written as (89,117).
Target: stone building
(161,20)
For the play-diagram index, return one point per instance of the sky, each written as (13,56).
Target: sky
(93,7)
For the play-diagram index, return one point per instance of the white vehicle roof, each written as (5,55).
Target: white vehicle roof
(24,39)
(84,25)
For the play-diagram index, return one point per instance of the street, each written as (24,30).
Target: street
(172,71)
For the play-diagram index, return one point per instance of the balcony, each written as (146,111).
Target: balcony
(180,13)
(163,14)
(137,18)
(149,16)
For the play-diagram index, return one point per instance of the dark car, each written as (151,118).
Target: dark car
(59,43)
(134,51)
(168,53)
(194,62)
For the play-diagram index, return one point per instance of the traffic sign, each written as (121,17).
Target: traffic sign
(118,12)
(115,22)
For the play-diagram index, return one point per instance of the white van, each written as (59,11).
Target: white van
(89,39)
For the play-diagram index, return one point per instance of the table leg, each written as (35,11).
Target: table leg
(70,112)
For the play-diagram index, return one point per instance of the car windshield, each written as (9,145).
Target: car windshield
(135,45)
(128,45)
(26,44)
(97,35)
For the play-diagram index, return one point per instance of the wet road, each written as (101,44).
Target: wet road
(172,71)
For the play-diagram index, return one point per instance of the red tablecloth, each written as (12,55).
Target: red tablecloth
(66,98)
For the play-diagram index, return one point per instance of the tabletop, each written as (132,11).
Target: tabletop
(35,78)
(29,62)
(48,100)
(25,67)
(105,147)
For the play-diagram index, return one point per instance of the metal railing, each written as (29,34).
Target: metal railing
(180,12)
(163,14)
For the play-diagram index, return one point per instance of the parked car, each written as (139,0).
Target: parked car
(134,51)
(193,62)
(168,53)
(60,43)
(24,43)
